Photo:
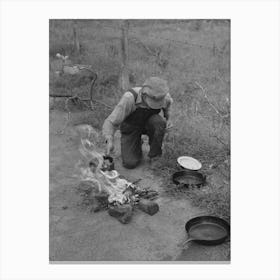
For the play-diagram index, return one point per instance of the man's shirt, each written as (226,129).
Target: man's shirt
(125,107)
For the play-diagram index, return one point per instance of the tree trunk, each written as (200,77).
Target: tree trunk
(124,79)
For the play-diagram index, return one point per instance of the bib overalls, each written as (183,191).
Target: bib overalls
(141,121)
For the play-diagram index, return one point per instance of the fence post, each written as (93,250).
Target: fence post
(76,42)
(124,79)
(214,55)
(214,49)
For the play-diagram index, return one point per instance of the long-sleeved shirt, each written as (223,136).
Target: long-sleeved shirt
(125,107)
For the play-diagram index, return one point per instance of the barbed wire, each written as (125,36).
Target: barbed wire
(118,28)
(174,41)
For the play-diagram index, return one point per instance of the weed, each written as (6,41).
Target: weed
(195,52)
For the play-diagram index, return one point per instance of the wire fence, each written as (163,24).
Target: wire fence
(213,48)
(138,38)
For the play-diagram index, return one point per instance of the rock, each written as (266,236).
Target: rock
(102,197)
(96,208)
(88,201)
(126,218)
(123,213)
(85,188)
(99,202)
(119,211)
(64,207)
(149,207)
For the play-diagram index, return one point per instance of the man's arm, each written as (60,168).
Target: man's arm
(167,109)
(120,112)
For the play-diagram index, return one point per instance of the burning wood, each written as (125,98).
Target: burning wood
(120,195)
(97,172)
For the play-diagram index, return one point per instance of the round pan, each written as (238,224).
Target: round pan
(189,177)
(207,230)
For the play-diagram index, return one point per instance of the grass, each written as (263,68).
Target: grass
(196,52)
(214,198)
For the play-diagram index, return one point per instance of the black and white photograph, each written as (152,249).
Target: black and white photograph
(139,140)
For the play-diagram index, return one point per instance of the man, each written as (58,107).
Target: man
(137,113)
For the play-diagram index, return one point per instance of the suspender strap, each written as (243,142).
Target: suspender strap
(135,94)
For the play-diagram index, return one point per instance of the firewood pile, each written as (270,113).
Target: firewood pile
(103,188)
(140,198)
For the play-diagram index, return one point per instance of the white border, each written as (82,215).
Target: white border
(255,138)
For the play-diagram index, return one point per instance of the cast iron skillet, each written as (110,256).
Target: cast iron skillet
(189,177)
(207,230)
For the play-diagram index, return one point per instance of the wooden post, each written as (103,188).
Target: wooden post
(214,54)
(76,42)
(214,49)
(124,79)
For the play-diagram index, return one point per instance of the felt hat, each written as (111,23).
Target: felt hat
(155,90)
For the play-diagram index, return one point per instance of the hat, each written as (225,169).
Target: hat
(157,90)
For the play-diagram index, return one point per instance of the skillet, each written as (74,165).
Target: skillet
(189,178)
(207,230)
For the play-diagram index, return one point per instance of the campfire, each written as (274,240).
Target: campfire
(103,187)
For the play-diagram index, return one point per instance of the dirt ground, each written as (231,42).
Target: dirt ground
(76,234)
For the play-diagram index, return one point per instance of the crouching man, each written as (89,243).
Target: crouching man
(137,113)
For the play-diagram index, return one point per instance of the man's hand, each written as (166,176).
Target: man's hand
(109,145)
(169,125)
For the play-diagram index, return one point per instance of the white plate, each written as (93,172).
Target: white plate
(189,163)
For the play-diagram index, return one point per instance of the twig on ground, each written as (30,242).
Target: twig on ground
(220,140)
(102,103)
(211,104)
(220,79)
(207,99)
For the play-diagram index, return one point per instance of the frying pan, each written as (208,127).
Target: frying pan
(207,230)
(189,177)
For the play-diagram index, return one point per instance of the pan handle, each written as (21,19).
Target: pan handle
(186,242)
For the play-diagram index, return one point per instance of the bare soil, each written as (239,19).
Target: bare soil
(76,234)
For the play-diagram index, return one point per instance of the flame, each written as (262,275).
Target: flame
(117,188)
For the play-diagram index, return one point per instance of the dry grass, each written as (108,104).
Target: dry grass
(203,59)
